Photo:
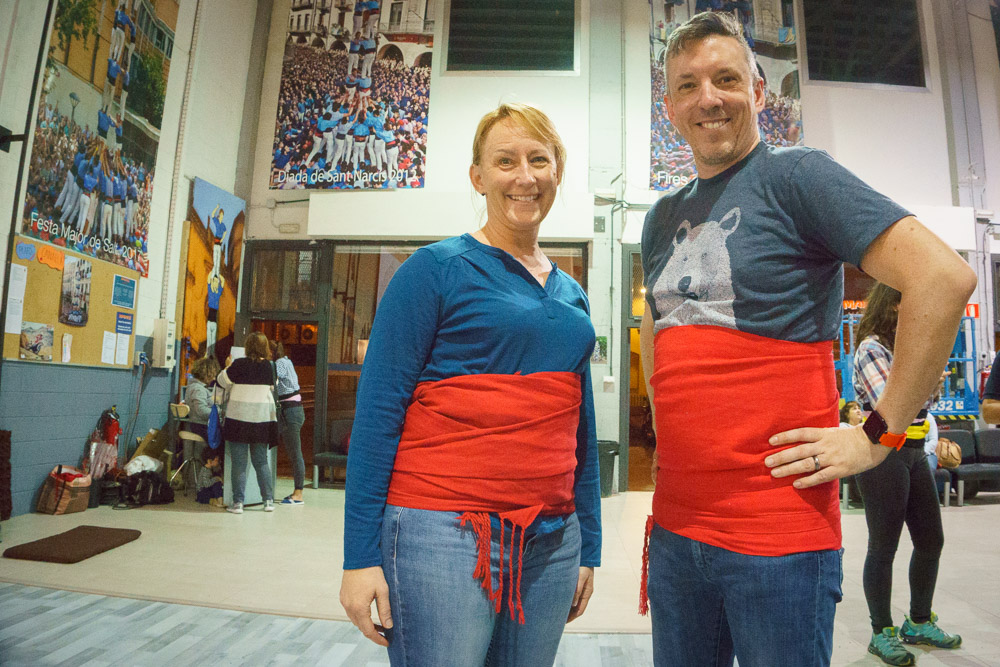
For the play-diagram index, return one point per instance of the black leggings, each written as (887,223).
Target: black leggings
(900,489)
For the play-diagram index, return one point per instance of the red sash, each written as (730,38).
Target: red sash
(719,395)
(482,444)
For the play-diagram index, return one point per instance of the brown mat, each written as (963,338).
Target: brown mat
(74,545)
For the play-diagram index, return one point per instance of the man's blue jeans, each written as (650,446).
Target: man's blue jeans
(709,604)
(441,615)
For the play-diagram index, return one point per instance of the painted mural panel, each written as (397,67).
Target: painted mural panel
(353,103)
(214,256)
(769,26)
(91,168)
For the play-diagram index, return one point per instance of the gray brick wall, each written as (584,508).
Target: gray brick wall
(50,410)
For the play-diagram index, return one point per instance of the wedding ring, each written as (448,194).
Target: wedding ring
(816,465)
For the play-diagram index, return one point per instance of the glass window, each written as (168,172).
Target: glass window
(881,44)
(360,275)
(536,36)
(638,288)
(359,278)
(284,280)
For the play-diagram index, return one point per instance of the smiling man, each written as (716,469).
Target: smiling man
(744,281)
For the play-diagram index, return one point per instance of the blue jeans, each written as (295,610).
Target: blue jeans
(441,615)
(709,604)
(292,417)
(258,457)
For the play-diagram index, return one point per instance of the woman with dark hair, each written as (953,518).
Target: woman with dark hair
(291,418)
(899,490)
(850,414)
(251,421)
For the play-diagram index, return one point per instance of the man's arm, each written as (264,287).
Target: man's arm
(933,302)
(991,411)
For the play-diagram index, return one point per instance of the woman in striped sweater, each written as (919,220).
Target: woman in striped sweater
(251,423)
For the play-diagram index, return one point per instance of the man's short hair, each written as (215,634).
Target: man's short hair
(704,25)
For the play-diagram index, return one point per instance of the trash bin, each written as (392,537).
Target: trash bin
(607,450)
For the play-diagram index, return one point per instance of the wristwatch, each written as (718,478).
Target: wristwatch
(878,432)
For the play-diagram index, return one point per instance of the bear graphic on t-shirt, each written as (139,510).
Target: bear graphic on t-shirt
(696,285)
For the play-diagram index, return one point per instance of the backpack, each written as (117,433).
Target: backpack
(949,454)
(148,488)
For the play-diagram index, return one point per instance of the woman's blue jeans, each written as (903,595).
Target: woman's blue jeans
(258,457)
(292,417)
(709,604)
(441,615)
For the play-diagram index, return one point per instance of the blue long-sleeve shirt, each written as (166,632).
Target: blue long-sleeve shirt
(454,308)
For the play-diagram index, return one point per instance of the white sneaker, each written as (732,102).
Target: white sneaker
(235,508)
(268,505)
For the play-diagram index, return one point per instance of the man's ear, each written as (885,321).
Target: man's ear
(759,98)
(669,106)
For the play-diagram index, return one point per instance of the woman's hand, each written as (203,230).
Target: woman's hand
(584,589)
(357,590)
(825,454)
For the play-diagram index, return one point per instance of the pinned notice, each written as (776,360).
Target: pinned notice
(50,256)
(15,298)
(108,348)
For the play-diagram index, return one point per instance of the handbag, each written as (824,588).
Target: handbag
(949,454)
(214,426)
(66,490)
(276,432)
(274,391)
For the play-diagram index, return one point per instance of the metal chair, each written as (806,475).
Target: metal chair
(193,445)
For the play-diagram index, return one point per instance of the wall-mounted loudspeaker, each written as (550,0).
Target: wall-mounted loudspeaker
(288,333)
(307,334)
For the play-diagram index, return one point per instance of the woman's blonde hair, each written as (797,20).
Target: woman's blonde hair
(256,347)
(205,369)
(528,118)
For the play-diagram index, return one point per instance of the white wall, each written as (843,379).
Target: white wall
(987,66)
(211,136)
(20,31)
(444,207)
(893,138)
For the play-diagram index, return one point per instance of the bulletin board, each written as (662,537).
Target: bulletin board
(67,292)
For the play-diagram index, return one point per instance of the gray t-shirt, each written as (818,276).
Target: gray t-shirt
(760,247)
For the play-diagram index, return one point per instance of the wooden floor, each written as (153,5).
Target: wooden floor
(41,626)
(204,587)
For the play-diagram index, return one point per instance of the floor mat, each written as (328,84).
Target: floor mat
(74,545)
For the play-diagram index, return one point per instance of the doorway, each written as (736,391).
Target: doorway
(635,418)
(298,339)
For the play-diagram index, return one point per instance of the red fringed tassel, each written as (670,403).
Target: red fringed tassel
(520,566)
(480,523)
(499,600)
(644,581)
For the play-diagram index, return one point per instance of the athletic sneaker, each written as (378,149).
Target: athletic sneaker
(235,508)
(268,505)
(928,633)
(886,645)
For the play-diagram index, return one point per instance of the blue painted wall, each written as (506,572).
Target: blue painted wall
(50,410)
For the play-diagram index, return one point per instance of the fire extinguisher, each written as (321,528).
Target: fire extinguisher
(109,425)
(984,375)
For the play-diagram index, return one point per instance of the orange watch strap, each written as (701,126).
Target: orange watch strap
(893,440)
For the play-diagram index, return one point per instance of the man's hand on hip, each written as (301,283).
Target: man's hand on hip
(825,454)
